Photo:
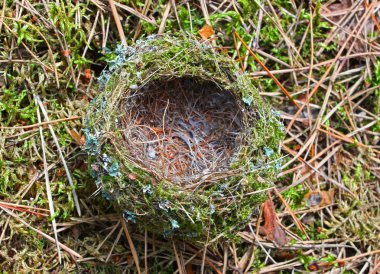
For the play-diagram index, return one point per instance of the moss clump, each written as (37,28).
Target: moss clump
(218,201)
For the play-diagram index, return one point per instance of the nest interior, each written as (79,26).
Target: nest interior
(180,141)
(182,128)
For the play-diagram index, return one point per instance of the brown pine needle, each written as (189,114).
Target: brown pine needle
(297,222)
(177,258)
(28,209)
(44,123)
(283,89)
(345,138)
(131,245)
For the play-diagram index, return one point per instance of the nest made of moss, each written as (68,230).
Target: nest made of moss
(180,140)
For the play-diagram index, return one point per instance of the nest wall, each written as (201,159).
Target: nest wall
(212,205)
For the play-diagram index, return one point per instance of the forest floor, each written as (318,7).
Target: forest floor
(327,195)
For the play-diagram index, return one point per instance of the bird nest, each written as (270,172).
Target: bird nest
(180,140)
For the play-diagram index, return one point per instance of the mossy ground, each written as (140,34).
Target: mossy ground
(57,50)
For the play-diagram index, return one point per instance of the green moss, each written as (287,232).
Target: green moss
(166,207)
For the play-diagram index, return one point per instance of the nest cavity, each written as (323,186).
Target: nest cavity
(180,140)
(182,128)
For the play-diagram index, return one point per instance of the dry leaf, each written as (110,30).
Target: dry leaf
(34,19)
(116,259)
(79,139)
(317,198)
(284,255)
(189,269)
(296,147)
(65,53)
(272,229)
(32,172)
(86,77)
(158,130)
(87,74)
(132,176)
(60,172)
(313,266)
(129,260)
(206,32)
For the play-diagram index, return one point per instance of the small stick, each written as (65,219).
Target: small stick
(22,206)
(118,23)
(176,14)
(164,18)
(92,33)
(261,245)
(163,118)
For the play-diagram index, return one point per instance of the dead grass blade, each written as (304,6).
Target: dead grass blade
(131,245)
(44,112)
(296,220)
(180,267)
(64,247)
(47,184)
(118,23)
